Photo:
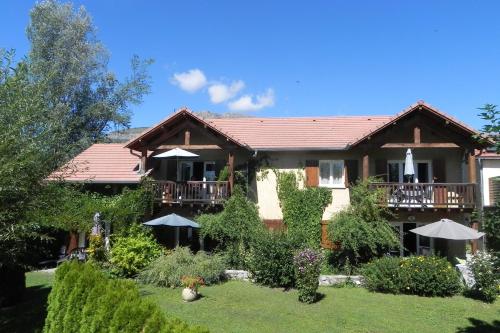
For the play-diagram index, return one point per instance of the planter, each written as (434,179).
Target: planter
(189,295)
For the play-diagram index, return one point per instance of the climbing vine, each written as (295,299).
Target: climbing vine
(302,208)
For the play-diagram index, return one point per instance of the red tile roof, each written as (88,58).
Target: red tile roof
(323,133)
(102,163)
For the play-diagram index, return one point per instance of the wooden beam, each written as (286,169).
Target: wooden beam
(230,166)
(187,137)
(421,145)
(416,135)
(366,167)
(472,168)
(144,157)
(192,147)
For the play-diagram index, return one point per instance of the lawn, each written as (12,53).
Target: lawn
(244,307)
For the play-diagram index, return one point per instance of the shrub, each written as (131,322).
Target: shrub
(12,284)
(307,268)
(234,228)
(362,229)
(168,270)
(271,260)
(83,299)
(383,275)
(131,253)
(96,250)
(486,276)
(429,276)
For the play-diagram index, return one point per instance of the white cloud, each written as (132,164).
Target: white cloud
(220,92)
(249,103)
(190,81)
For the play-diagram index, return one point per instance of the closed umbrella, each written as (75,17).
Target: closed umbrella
(173,220)
(409,169)
(448,229)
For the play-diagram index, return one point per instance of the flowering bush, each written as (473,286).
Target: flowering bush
(486,276)
(192,282)
(383,275)
(429,276)
(307,268)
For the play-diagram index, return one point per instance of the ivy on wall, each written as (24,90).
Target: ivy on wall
(302,208)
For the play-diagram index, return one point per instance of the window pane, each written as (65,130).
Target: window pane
(324,172)
(394,172)
(338,172)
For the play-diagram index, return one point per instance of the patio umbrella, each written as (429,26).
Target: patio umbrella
(448,229)
(173,220)
(409,170)
(177,152)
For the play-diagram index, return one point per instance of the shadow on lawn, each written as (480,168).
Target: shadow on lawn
(480,326)
(28,315)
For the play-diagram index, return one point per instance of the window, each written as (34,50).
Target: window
(331,173)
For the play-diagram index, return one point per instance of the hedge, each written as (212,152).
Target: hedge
(84,299)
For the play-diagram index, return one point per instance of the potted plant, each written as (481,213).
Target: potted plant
(191,285)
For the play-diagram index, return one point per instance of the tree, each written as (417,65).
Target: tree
(80,90)
(491,130)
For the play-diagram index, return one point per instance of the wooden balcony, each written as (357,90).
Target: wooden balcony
(191,192)
(428,195)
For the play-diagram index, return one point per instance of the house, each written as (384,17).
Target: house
(330,152)
(489,170)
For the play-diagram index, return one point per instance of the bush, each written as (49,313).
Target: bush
(307,268)
(12,284)
(429,276)
(383,275)
(83,299)
(131,253)
(271,260)
(416,275)
(362,230)
(234,228)
(486,277)
(168,270)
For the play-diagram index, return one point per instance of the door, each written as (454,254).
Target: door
(185,171)
(423,172)
(209,171)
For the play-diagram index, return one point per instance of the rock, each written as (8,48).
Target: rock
(237,274)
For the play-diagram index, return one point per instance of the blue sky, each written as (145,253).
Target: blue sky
(297,58)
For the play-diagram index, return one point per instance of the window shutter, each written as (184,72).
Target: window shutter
(381,169)
(494,185)
(312,173)
(352,172)
(439,171)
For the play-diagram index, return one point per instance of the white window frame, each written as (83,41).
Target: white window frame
(330,183)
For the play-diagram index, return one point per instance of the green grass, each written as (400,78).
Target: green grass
(29,314)
(244,307)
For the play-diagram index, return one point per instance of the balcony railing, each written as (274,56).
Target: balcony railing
(207,192)
(428,195)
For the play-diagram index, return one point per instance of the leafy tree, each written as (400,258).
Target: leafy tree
(362,229)
(81,92)
(491,130)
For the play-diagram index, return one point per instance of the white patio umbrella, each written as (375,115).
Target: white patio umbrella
(409,170)
(448,229)
(177,152)
(173,220)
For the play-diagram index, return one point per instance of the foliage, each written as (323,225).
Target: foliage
(96,249)
(302,208)
(491,130)
(133,252)
(86,97)
(168,270)
(223,174)
(486,276)
(192,282)
(491,226)
(362,229)
(383,275)
(83,299)
(416,275)
(271,260)
(235,227)
(307,268)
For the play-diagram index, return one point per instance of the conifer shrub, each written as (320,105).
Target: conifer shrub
(83,299)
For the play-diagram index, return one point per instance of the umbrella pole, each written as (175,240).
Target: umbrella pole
(177,234)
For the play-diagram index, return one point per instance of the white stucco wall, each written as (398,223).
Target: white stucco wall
(490,168)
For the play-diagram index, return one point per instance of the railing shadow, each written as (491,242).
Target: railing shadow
(480,326)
